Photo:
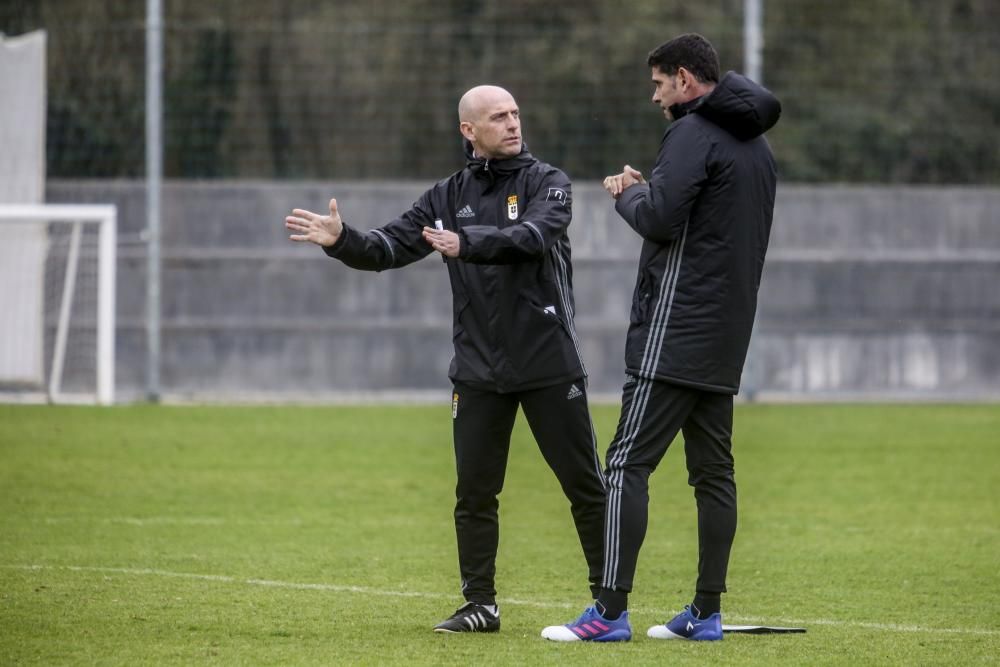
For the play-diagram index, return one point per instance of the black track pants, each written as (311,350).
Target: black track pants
(560,421)
(652,414)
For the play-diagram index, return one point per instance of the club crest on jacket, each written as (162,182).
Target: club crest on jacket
(512,207)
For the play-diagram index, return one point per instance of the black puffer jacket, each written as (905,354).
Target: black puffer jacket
(512,283)
(705,218)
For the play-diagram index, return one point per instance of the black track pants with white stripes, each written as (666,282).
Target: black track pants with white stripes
(652,414)
(560,422)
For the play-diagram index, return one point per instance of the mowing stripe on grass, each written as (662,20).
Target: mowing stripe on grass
(171,521)
(344,588)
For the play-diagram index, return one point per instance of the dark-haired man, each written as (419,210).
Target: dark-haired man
(501,225)
(705,218)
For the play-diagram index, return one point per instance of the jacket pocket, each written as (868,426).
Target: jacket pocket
(460,304)
(641,299)
(539,317)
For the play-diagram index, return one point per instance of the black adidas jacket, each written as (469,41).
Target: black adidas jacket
(705,217)
(512,282)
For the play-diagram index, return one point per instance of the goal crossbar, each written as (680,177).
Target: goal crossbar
(106,216)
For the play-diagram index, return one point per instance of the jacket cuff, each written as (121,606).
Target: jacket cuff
(338,245)
(628,196)
(463,245)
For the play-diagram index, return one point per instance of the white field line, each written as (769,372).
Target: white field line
(172,521)
(364,590)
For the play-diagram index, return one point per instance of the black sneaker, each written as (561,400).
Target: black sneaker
(470,617)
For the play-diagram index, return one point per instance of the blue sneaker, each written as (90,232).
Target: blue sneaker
(686,625)
(591,627)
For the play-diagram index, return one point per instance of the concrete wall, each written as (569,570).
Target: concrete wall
(868,292)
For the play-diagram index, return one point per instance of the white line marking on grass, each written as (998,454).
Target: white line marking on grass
(334,588)
(171,521)
(344,588)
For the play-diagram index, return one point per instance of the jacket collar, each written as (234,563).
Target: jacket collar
(491,167)
(681,109)
(740,106)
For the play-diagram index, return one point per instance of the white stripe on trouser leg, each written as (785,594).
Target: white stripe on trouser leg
(615,480)
(637,410)
(630,428)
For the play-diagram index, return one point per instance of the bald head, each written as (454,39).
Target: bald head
(478,100)
(489,118)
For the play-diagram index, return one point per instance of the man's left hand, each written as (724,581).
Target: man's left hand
(444,241)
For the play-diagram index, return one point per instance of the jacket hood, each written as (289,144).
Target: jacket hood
(480,165)
(738,105)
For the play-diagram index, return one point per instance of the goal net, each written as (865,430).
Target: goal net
(57,293)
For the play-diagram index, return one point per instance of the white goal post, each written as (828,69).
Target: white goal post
(22,225)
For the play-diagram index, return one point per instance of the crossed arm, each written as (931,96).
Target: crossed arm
(617,183)
(659,210)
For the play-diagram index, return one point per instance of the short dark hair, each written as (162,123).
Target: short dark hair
(690,51)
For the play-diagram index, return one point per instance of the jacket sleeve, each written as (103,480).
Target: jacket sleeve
(543,222)
(659,210)
(391,246)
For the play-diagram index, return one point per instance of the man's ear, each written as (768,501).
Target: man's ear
(684,79)
(465,127)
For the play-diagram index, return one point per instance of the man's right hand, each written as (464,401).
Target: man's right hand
(323,230)
(616,184)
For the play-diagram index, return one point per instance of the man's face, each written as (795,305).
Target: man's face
(496,132)
(666,92)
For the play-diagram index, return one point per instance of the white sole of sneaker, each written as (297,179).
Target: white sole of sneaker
(662,632)
(559,633)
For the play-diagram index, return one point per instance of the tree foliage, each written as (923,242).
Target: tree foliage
(875,91)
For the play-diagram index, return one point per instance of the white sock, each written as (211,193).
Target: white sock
(493,609)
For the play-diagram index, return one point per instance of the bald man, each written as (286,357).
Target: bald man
(500,223)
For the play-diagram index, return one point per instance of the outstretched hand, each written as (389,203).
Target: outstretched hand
(323,230)
(615,185)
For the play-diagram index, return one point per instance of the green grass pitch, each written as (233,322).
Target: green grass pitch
(323,535)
